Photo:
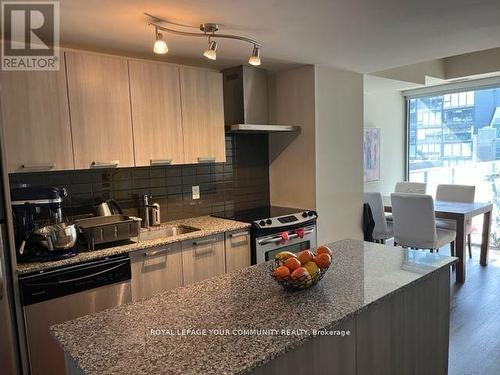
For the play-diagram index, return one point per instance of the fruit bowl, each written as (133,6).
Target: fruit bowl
(302,271)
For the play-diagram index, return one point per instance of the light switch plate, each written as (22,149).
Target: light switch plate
(196,192)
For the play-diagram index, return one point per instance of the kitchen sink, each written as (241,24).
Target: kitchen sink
(166,231)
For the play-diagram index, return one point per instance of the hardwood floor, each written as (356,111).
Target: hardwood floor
(475,318)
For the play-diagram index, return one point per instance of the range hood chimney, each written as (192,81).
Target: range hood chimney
(245,102)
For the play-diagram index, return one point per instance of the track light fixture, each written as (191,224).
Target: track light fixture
(255,57)
(207,30)
(210,52)
(160,47)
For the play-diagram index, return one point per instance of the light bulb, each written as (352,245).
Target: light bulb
(160,47)
(210,51)
(255,57)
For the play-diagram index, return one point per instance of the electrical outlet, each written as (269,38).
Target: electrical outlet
(196,192)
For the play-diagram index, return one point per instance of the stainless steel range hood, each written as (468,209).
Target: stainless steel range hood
(245,102)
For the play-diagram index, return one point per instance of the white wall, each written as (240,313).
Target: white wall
(384,108)
(322,166)
(339,153)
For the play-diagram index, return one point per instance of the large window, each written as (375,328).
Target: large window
(455,138)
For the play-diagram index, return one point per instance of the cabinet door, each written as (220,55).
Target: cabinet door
(155,270)
(237,250)
(203,258)
(202,115)
(156,113)
(37,132)
(99,105)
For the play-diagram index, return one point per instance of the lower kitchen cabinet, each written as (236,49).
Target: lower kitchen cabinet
(155,270)
(237,250)
(203,258)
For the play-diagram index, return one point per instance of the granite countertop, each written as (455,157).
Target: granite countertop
(208,225)
(128,339)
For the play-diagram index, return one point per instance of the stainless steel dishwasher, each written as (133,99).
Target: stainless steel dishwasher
(67,293)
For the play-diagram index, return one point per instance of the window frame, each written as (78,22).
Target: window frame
(447,89)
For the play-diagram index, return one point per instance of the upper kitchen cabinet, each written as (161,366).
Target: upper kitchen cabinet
(36,123)
(202,115)
(99,101)
(156,113)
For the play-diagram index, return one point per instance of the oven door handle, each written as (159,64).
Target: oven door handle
(269,240)
(278,239)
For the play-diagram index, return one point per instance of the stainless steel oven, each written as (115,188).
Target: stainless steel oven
(294,240)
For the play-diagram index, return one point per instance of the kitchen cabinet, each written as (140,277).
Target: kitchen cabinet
(36,126)
(237,250)
(99,102)
(202,258)
(155,270)
(202,115)
(156,113)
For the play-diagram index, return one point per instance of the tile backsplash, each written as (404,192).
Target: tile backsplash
(241,183)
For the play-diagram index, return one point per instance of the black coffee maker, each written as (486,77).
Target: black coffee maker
(34,208)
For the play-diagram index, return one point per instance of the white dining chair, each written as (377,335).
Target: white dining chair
(410,187)
(383,230)
(415,224)
(456,193)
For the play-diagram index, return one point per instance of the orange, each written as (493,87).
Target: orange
(292,264)
(323,260)
(305,256)
(323,250)
(300,272)
(282,272)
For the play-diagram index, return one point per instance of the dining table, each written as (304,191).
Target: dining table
(461,212)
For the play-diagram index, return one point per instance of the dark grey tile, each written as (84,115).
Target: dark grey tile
(79,188)
(157,182)
(188,170)
(141,183)
(122,174)
(217,177)
(174,181)
(173,171)
(158,192)
(140,173)
(217,168)
(189,180)
(141,192)
(122,195)
(174,189)
(122,185)
(203,169)
(203,178)
(157,172)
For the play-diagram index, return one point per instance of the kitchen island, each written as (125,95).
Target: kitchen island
(378,309)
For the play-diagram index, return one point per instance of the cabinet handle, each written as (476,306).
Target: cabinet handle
(160,162)
(105,164)
(204,242)
(239,234)
(39,166)
(206,159)
(206,250)
(156,252)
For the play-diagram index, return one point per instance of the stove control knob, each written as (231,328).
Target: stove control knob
(269,221)
(310,213)
(262,223)
(304,214)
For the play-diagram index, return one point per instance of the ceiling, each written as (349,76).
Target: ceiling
(359,35)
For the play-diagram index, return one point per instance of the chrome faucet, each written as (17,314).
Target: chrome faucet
(147,206)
